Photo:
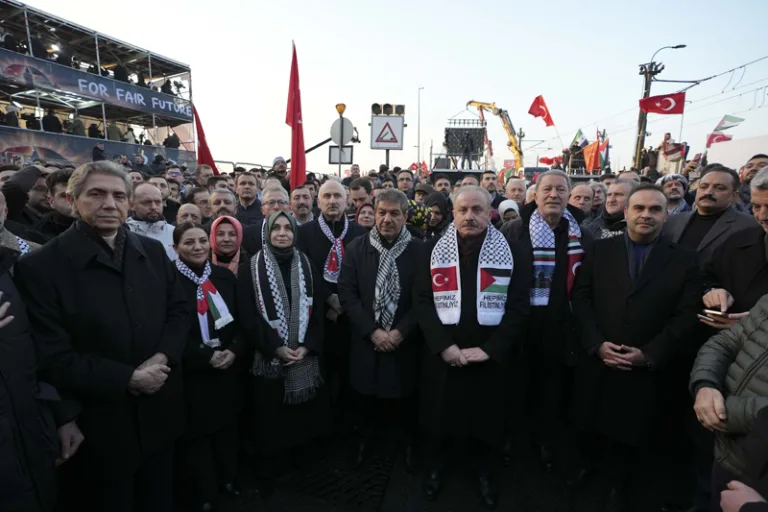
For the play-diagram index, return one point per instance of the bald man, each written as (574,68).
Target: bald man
(581,197)
(189,213)
(324,240)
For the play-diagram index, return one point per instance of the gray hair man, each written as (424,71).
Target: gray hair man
(611,221)
(470,297)
(376,289)
(109,319)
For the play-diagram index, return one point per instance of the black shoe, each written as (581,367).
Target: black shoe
(488,495)
(232,489)
(432,485)
(547,457)
(617,501)
(506,453)
(207,507)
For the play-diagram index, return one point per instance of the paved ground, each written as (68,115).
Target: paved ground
(327,484)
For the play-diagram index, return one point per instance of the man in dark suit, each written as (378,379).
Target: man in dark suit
(324,241)
(636,298)
(109,321)
(715,218)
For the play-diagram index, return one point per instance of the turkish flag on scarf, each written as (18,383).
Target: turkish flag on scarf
(204,155)
(293,119)
(664,104)
(539,109)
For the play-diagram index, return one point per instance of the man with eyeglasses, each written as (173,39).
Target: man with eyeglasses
(274,198)
(405,183)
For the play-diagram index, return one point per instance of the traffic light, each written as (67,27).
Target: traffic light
(387,109)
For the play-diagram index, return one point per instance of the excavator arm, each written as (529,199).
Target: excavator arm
(513,143)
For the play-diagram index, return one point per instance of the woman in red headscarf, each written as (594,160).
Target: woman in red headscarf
(226,240)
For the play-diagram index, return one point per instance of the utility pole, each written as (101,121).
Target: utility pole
(648,71)
(418,129)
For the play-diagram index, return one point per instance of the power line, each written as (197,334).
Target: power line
(694,83)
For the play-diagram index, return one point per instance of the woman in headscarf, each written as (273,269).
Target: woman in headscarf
(439,214)
(226,241)
(366,216)
(208,448)
(416,222)
(281,310)
(508,210)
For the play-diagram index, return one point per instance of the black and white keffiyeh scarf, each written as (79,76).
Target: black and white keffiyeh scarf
(23,246)
(336,255)
(289,319)
(387,292)
(494,271)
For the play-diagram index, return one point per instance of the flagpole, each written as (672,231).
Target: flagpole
(562,146)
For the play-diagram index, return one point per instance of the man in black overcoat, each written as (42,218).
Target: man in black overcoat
(110,321)
(376,289)
(324,241)
(637,298)
(471,300)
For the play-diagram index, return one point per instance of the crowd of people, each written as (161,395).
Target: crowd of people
(159,328)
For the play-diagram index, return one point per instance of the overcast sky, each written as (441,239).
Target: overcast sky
(582,56)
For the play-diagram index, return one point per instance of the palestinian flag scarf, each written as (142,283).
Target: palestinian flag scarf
(209,301)
(336,254)
(494,270)
(544,256)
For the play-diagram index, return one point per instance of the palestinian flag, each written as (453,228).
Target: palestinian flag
(494,280)
(728,122)
(604,153)
(579,139)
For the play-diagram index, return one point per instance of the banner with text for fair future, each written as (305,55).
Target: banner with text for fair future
(43,74)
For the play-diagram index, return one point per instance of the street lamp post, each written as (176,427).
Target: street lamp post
(418,129)
(648,71)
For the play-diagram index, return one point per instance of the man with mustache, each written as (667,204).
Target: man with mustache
(675,186)
(751,168)
(471,300)
(715,217)
(301,205)
(636,300)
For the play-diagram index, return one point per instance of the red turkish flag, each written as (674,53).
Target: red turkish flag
(444,279)
(539,109)
(716,137)
(204,155)
(293,119)
(664,104)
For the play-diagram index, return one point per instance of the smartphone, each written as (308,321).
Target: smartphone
(712,312)
(705,317)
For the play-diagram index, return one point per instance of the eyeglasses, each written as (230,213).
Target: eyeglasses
(276,202)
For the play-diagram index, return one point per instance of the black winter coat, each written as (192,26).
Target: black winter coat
(213,396)
(312,242)
(468,401)
(53,224)
(28,440)
(740,266)
(93,323)
(381,374)
(656,313)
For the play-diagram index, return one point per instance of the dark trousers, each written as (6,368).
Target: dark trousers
(336,366)
(703,445)
(482,457)
(386,417)
(207,462)
(551,393)
(720,478)
(149,489)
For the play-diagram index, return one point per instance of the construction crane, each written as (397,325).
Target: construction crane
(514,138)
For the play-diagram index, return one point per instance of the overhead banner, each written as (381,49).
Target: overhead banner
(42,74)
(21,147)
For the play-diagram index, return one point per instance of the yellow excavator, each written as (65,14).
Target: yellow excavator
(514,138)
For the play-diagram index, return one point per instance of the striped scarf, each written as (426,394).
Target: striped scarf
(544,256)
